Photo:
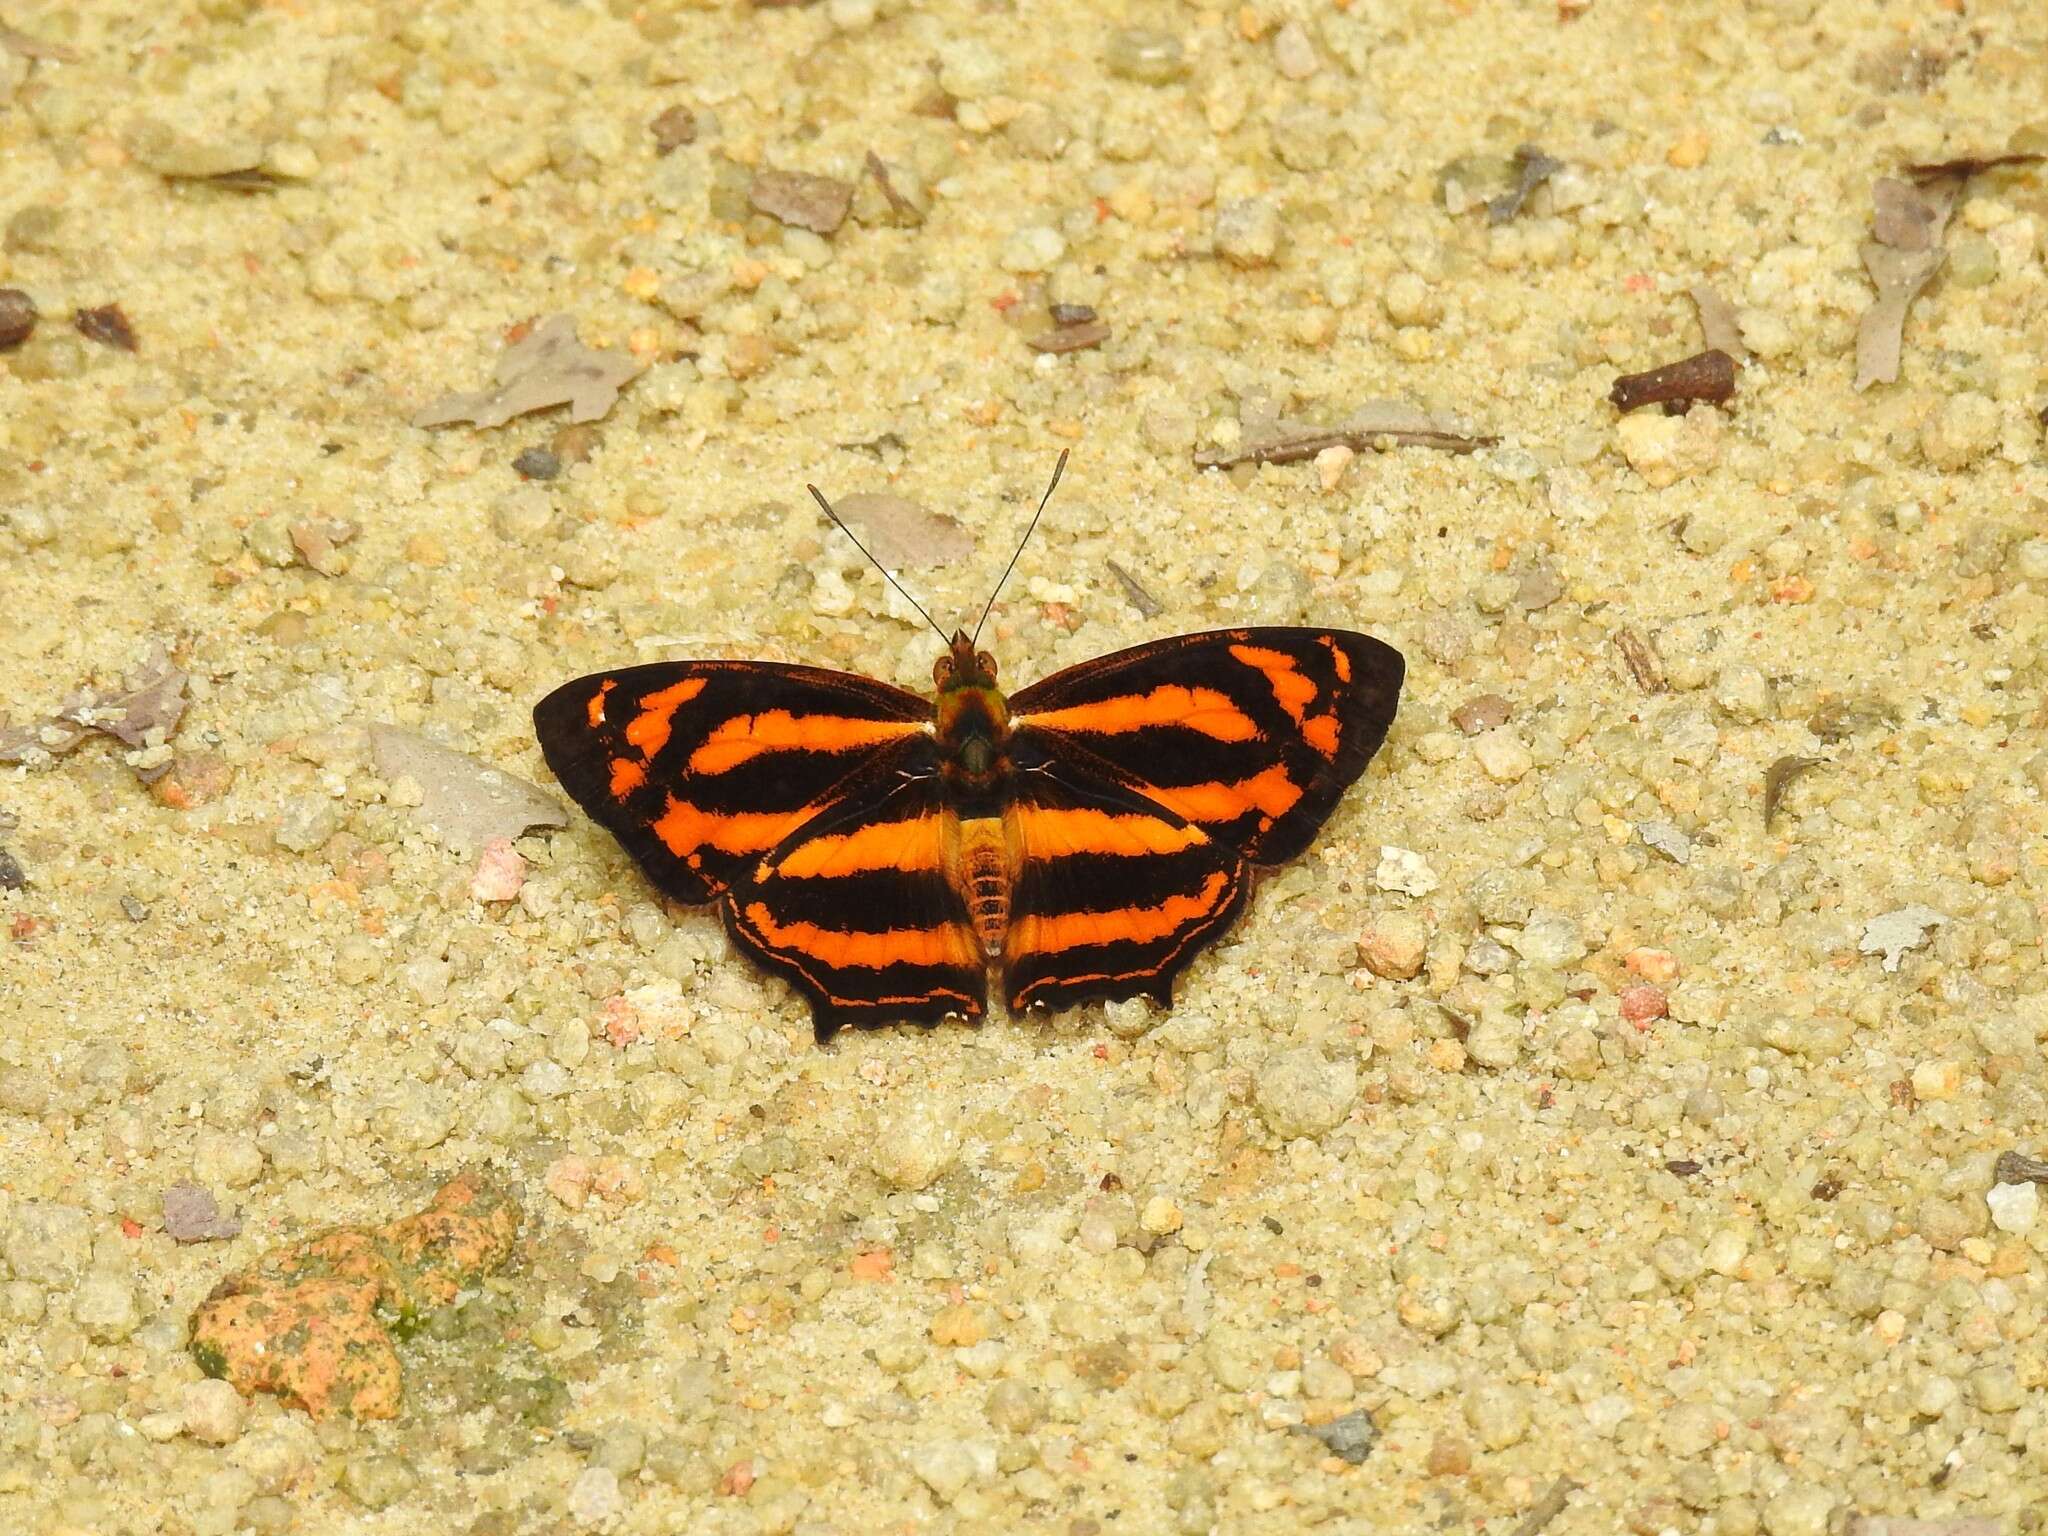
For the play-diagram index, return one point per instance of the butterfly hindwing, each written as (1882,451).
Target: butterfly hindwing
(856,911)
(1114,895)
(1252,734)
(699,768)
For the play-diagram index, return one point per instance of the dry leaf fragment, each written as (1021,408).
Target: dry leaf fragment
(192,1215)
(318,541)
(1718,325)
(1532,169)
(1780,777)
(14,40)
(1643,663)
(1070,338)
(1907,224)
(150,700)
(546,367)
(901,532)
(108,325)
(816,203)
(466,801)
(1148,606)
(1965,166)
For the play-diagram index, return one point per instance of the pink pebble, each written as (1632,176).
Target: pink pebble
(499,873)
(1640,1004)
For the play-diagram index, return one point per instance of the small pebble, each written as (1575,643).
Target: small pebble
(1294,53)
(1933,1080)
(1800,1510)
(949,1467)
(2014,1207)
(1962,431)
(307,822)
(1147,56)
(1394,945)
(17,318)
(212,1411)
(1501,755)
(537,464)
(1404,871)
(1300,1093)
(594,1497)
(915,1140)
(1484,712)
(1248,232)
(500,872)
(1642,1003)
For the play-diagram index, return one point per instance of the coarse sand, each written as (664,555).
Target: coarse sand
(1598,1129)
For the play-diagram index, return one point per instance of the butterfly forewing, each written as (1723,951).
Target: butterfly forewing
(699,768)
(1252,734)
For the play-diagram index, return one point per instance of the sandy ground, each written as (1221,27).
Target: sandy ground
(1560,1116)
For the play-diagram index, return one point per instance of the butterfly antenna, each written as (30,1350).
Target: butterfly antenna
(1057,470)
(819,497)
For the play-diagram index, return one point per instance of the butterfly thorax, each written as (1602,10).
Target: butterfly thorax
(971,723)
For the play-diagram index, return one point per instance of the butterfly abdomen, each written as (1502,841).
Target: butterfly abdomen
(984,869)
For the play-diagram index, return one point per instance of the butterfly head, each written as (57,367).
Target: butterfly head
(963,666)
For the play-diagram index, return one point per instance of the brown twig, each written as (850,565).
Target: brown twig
(1148,606)
(2018,1168)
(1708,375)
(1970,165)
(1293,450)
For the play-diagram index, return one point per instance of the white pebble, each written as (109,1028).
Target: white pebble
(1301,1094)
(1502,755)
(594,1497)
(947,1467)
(1405,871)
(915,1140)
(212,1411)
(2014,1207)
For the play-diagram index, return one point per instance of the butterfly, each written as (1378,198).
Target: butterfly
(888,854)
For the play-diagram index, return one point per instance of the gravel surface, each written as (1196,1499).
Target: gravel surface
(1600,1125)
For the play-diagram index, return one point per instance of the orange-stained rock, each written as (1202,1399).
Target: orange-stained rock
(311,1322)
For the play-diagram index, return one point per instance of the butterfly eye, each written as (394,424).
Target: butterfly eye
(987,663)
(942,671)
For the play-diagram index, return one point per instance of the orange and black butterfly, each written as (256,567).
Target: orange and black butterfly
(887,854)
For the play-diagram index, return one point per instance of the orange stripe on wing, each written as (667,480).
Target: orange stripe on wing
(912,847)
(1047,832)
(685,828)
(1293,691)
(627,776)
(1198,709)
(649,730)
(1338,658)
(840,949)
(594,709)
(1320,732)
(745,737)
(1050,933)
(1272,793)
